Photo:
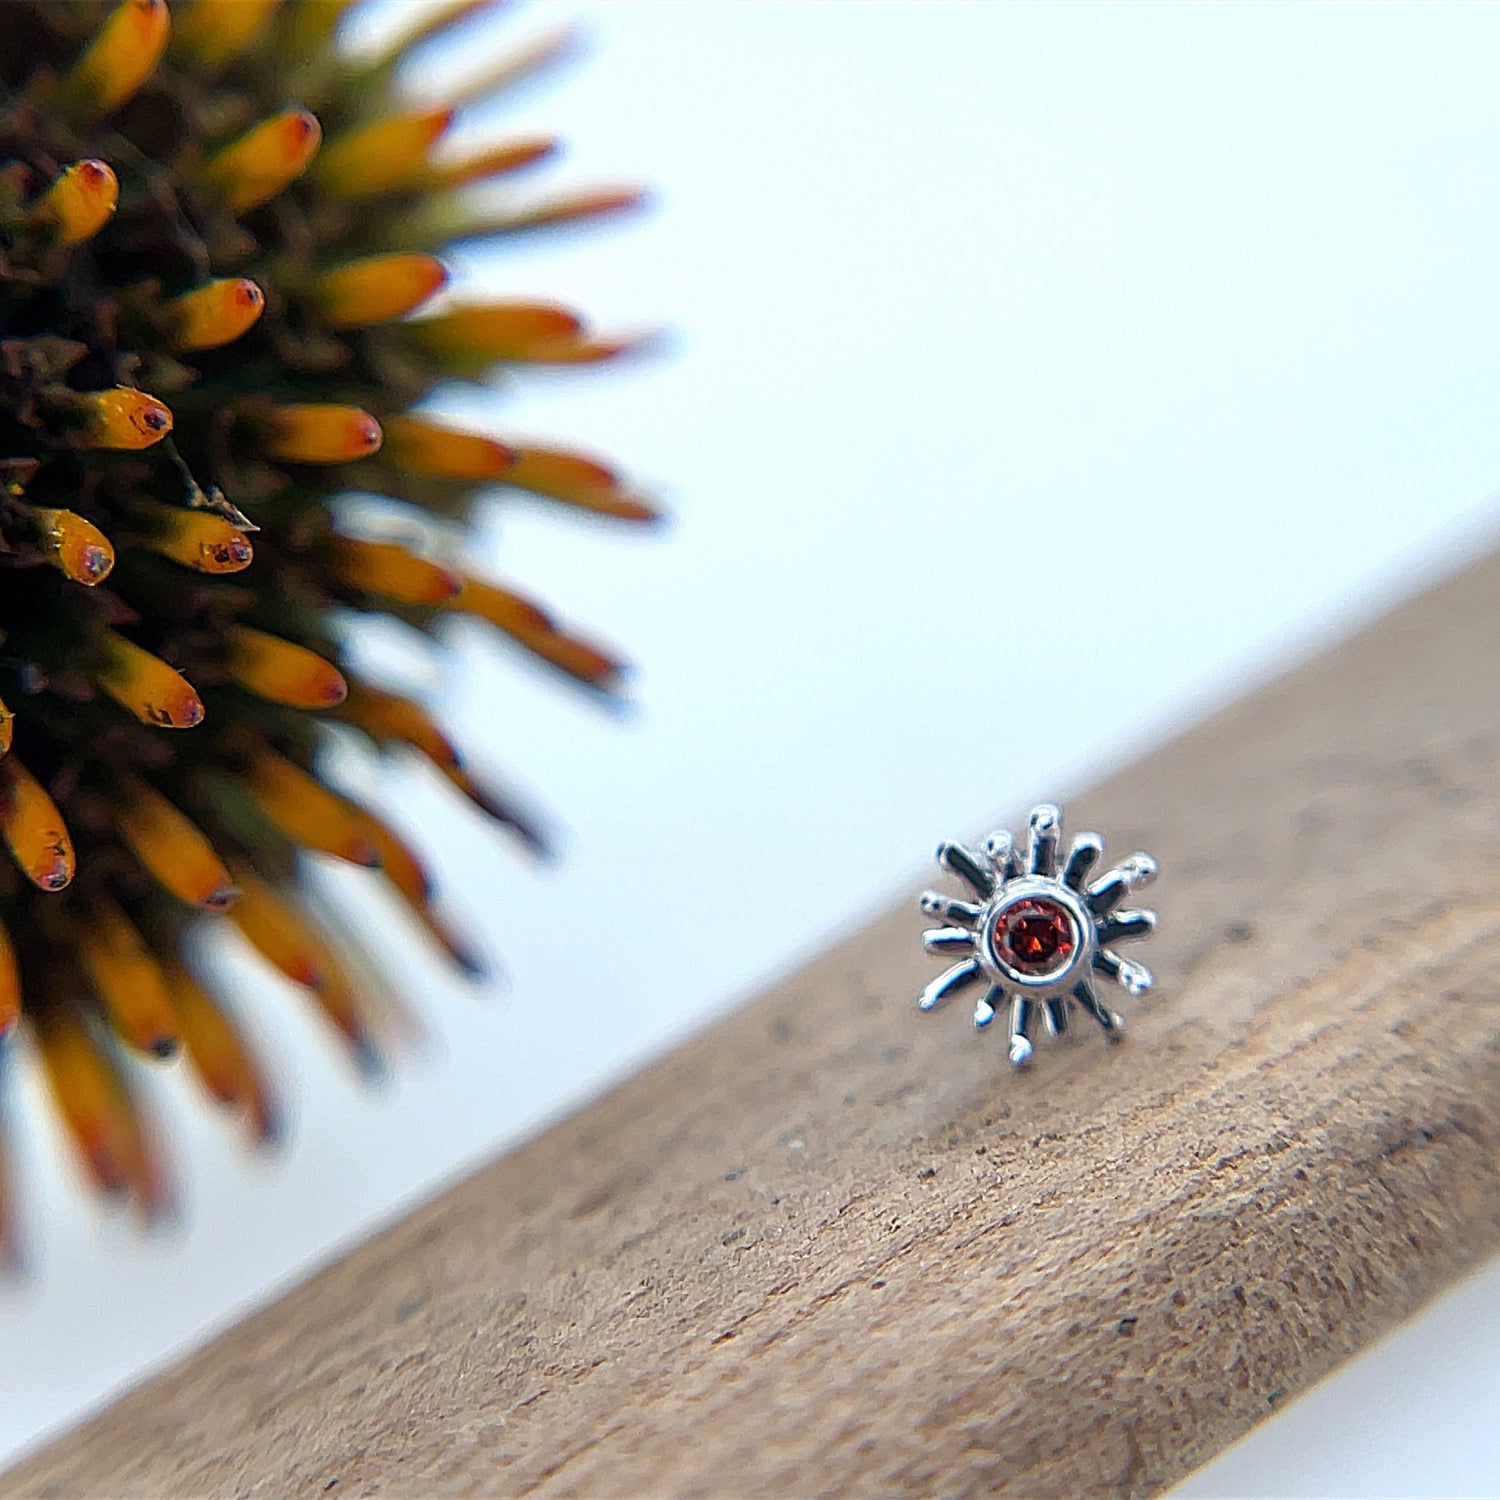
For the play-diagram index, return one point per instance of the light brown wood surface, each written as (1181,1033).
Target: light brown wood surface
(834,1247)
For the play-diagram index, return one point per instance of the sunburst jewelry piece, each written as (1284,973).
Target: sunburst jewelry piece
(1035,934)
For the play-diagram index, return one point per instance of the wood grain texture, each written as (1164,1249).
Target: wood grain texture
(832,1246)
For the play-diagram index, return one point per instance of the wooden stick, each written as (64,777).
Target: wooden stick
(832,1246)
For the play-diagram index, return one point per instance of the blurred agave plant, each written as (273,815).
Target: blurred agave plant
(214,232)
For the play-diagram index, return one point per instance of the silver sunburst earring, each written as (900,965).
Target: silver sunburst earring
(1036,935)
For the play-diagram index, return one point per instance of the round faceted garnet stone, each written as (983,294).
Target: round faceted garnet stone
(1034,936)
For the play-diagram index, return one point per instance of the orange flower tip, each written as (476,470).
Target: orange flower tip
(299,130)
(105,1168)
(304,971)
(312,814)
(188,715)
(428,448)
(317,434)
(378,289)
(92,565)
(403,870)
(516,615)
(234,555)
(580,481)
(496,161)
(7,729)
(640,513)
(75,546)
(197,539)
(80,202)
(257,166)
(10,989)
(172,849)
(359,851)
(214,314)
(283,672)
(388,571)
(606,675)
(122,418)
(611,677)
(551,213)
(496,331)
(33,828)
(381,155)
(588,203)
(120,58)
(149,688)
(592,351)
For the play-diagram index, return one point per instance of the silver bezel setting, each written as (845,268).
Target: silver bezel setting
(1056,981)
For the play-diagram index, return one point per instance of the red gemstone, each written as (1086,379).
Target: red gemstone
(1034,936)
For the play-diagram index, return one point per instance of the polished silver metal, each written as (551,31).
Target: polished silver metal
(1067,929)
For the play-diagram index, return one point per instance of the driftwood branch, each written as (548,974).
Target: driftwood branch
(834,1246)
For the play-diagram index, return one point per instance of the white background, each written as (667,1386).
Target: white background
(1177,326)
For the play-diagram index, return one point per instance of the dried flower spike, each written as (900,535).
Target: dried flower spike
(221,234)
